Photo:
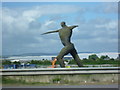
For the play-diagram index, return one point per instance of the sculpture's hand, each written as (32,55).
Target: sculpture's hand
(72,27)
(77,26)
(50,32)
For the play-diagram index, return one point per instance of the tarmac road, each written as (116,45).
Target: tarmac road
(68,86)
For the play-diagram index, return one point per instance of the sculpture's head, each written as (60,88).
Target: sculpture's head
(63,24)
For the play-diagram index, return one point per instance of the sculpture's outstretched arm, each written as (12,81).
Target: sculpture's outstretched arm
(72,27)
(50,32)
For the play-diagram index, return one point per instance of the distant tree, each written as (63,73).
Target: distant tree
(93,57)
(85,59)
(43,59)
(72,61)
(46,62)
(112,59)
(17,63)
(41,62)
(6,62)
(33,62)
(106,57)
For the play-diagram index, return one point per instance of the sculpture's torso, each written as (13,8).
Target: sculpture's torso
(65,35)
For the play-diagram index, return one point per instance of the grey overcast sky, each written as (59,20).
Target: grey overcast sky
(22,24)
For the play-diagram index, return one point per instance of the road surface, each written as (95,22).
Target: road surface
(67,86)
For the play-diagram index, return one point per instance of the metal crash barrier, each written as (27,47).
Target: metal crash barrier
(60,71)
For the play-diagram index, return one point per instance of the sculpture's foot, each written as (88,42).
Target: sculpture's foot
(52,66)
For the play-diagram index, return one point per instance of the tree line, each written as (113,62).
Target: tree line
(92,59)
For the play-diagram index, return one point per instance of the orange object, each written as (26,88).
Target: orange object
(53,63)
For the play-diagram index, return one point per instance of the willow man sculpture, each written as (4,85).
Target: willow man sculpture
(65,34)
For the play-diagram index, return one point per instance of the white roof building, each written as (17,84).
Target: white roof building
(15,60)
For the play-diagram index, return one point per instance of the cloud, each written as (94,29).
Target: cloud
(111,8)
(0,31)
(110,25)
(22,28)
(97,35)
(107,8)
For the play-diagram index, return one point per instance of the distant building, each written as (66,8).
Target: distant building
(65,58)
(14,66)
(15,60)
